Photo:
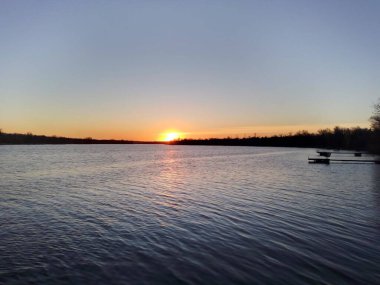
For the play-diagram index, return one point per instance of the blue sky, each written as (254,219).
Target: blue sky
(134,69)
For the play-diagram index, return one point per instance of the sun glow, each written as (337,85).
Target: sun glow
(170,136)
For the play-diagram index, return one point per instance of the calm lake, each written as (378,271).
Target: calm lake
(159,214)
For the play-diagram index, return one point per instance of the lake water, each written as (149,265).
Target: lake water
(157,214)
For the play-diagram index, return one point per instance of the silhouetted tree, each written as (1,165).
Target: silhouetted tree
(375,123)
(375,119)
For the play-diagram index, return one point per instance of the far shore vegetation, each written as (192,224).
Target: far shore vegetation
(29,138)
(338,138)
(367,139)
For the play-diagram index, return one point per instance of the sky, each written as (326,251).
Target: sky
(138,69)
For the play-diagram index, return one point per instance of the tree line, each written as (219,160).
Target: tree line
(30,138)
(337,138)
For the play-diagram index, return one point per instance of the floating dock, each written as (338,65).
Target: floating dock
(325,157)
(328,160)
(328,153)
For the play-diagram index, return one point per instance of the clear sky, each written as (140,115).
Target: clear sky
(136,69)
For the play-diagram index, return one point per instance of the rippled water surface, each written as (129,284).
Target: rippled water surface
(156,214)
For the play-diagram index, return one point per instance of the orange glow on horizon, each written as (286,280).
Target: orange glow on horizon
(170,136)
(120,131)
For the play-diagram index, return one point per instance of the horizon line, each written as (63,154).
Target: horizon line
(237,136)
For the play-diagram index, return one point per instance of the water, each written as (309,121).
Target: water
(156,214)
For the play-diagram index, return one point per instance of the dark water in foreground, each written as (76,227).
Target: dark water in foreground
(154,214)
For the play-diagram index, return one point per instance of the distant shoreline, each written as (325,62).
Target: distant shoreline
(30,139)
(338,138)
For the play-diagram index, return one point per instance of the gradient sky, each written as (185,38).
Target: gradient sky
(135,69)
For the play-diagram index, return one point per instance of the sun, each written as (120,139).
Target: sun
(168,137)
(171,135)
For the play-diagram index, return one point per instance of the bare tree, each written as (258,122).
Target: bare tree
(375,119)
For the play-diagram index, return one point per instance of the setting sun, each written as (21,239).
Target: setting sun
(171,136)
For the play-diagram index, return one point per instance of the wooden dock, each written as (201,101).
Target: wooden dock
(325,157)
(325,160)
(329,153)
